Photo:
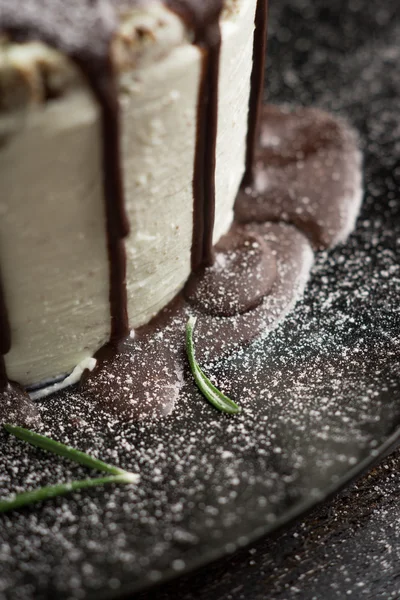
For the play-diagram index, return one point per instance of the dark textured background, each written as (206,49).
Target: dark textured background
(347,548)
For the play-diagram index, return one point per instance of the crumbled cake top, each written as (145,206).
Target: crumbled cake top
(39,39)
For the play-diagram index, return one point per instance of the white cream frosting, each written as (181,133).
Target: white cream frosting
(53,254)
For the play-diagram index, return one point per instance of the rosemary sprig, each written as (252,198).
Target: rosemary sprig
(46,443)
(116,475)
(60,489)
(213,395)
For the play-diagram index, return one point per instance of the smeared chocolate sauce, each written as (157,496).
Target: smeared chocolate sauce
(219,290)
(17,408)
(306,172)
(139,380)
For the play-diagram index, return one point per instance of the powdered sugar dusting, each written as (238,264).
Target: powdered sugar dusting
(308,172)
(321,392)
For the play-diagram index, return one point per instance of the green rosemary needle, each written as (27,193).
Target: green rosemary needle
(46,443)
(60,489)
(209,391)
(116,475)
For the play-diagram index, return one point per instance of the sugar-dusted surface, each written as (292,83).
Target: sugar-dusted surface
(316,395)
(329,393)
(345,548)
(307,172)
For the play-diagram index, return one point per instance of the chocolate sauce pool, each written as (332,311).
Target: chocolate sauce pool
(83,29)
(306,172)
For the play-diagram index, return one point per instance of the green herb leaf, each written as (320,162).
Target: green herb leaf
(117,475)
(46,443)
(60,489)
(213,395)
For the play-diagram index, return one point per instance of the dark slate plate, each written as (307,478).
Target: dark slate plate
(321,394)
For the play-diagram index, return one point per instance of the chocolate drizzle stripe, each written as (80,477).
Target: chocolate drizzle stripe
(203,19)
(206,140)
(211,124)
(256,88)
(117,223)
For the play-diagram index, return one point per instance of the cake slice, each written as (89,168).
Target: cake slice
(123,142)
(127,128)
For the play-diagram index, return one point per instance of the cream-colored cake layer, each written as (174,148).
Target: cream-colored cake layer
(234,90)
(159,132)
(53,254)
(52,247)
